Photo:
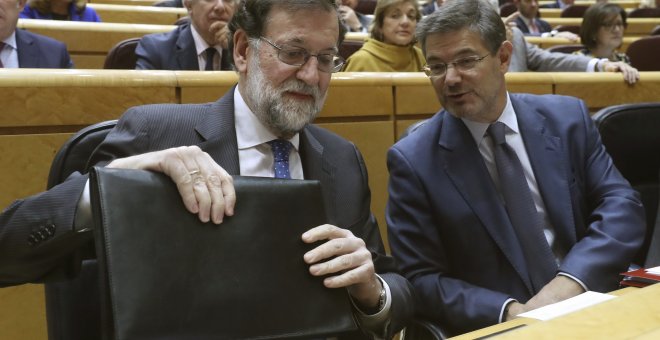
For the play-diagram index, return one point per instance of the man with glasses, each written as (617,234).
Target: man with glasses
(502,203)
(284,52)
(199,44)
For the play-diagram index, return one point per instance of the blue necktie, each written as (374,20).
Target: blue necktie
(522,212)
(210,54)
(281,149)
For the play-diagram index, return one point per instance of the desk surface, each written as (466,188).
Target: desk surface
(634,314)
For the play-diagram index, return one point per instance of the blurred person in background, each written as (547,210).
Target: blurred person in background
(602,30)
(72,10)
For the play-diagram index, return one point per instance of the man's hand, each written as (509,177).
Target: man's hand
(219,30)
(206,188)
(347,261)
(510,22)
(350,18)
(572,37)
(630,74)
(559,289)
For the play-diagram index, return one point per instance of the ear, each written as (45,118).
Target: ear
(241,46)
(504,54)
(188,5)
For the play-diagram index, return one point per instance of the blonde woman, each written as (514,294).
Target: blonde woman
(391,47)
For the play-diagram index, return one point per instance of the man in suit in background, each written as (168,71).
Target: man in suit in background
(200,44)
(529,57)
(530,24)
(19,48)
(353,20)
(284,52)
(502,203)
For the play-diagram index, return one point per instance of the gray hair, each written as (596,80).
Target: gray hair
(475,15)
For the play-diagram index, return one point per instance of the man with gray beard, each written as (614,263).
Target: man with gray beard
(284,53)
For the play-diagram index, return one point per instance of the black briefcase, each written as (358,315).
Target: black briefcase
(166,275)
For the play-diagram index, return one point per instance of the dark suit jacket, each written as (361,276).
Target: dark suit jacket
(332,160)
(173,50)
(542,25)
(449,230)
(38,51)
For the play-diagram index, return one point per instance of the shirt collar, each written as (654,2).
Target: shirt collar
(200,43)
(508,117)
(11,40)
(250,132)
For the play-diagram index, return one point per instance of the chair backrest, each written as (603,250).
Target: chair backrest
(568,48)
(507,9)
(73,306)
(573,11)
(644,53)
(644,13)
(366,6)
(348,47)
(630,133)
(568,28)
(122,56)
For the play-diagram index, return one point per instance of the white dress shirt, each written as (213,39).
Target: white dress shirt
(9,52)
(200,49)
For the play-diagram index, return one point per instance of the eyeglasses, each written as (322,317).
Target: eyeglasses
(461,65)
(296,56)
(613,25)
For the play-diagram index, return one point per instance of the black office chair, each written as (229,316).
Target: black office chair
(630,133)
(73,306)
(644,53)
(573,11)
(122,56)
(566,48)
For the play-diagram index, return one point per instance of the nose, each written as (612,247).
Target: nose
(309,72)
(452,76)
(405,21)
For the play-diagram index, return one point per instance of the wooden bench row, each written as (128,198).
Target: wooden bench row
(89,43)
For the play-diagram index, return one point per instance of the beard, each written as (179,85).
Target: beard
(282,115)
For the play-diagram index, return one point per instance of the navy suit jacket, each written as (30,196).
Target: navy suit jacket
(38,51)
(326,157)
(173,50)
(449,230)
(542,25)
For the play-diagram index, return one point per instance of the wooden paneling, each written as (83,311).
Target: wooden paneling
(22,313)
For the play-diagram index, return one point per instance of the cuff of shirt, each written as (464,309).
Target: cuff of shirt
(586,289)
(591,66)
(376,324)
(503,310)
(83,217)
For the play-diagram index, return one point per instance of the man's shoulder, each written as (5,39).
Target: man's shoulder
(543,99)
(163,113)
(50,43)
(164,37)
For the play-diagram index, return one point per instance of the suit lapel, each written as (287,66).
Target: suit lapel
(550,170)
(28,55)
(465,167)
(219,132)
(317,166)
(186,53)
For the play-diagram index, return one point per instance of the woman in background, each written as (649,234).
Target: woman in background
(72,10)
(602,32)
(391,47)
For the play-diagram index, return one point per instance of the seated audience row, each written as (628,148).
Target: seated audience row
(74,10)
(20,48)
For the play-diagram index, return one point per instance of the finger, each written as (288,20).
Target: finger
(174,167)
(355,276)
(341,263)
(324,232)
(229,193)
(194,159)
(334,247)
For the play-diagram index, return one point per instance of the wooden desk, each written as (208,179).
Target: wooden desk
(552,41)
(138,14)
(512,329)
(622,3)
(125,2)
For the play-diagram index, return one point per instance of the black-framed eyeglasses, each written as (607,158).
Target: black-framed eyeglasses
(613,25)
(461,65)
(296,56)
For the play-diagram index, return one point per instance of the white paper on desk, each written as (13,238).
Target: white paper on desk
(567,306)
(654,270)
